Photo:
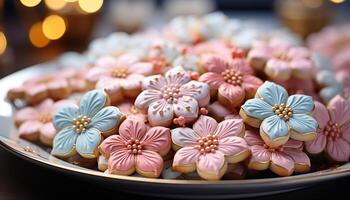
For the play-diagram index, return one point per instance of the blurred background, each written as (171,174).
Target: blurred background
(35,31)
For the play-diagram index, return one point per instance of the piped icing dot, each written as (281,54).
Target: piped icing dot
(208,144)
(134,146)
(283,111)
(232,77)
(332,130)
(171,93)
(120,72)
(81,123)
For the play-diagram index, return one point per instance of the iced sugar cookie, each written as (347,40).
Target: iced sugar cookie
(209,147)
(279,116)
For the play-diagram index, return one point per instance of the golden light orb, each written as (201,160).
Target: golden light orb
(30,3)
(90,6)
(37,37)
(55,4)
(54,27)
(3,43)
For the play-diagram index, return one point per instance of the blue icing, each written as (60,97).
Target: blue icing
(272,93)
(106,119)
(329,92)
(302,123)
(88,141)
(257,108)
(301,104)
(64,116)
(275,127)
(92,102)
(64,142)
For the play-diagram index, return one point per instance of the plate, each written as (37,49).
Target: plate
(194,189)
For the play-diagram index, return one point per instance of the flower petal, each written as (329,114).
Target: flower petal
(149,164)
(47,133)
(144,68)
(126,60)
(30,130)
(232,145)
(231,92)
(155,82)
(160,113)
(275,127)
(64,116)
(251,85)
(112,144)
(157,139)
(197,90)
(320,114)
(133,128)
(109,84)
(186,156)
(184,137)
(338,150)
(260,158)
(121,162)
(64,142)
(186,107)
(302,68)
(339,110)
(204,126)
(230,127)
(133,82)
(214,80)
(345,129)
(106,119)
(211,162)
(177,76)
(257,108)
(281,159)
(301,104)
(92,102)
(298,156)
(87,143)
(25,114)
(278,69)
(303,123)
(147,97)
(215,64)
(317,145)
(295,144)
(253,138)
(272,93)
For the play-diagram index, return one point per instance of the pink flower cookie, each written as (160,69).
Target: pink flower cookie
(35,122)
(232,79)
(120,76)
(281,62)
(333,134)
(170,96)
(136,149)
(209,147)
(282,160)
(130,111)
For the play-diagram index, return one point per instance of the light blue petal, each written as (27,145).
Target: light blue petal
(92,102)
(328,93)
(272,93)
(257,108)
(64,142)
(302,123)
(301,104)
(106,119)
(64,116)
(275,127)
(87,142)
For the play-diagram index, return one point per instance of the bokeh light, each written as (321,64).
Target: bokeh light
(337,1)
(90,6)
(37,37)
(54,27)
(55,4)
(3,43)
(30,3)
(70,0)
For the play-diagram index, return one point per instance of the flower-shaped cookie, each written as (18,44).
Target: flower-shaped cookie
(333,135)
(136,148)
(282,160)
(172,95)
(81,128)
(279,116)
(35,122)
(209,147)
(281,62)
(162,55)
(120,76)
(232,79)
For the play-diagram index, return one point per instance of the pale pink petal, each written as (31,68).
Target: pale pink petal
(197,90)
(215,64)
(177,76)
(110,85)
(260,53)
(132,82)
(295,144)
(345,129)
(231,92)
(132,128)
(96,73)
(121,161)
(298,156)
(106,62)
(259,154)
(25,114)
(150,162)
(338,150)
(230,127)
(251,85)
(302,68)
(205,126)
(211,162)
(344,78)
(186,156)
(56,84)
(339,109)
(35,90)
(299,53)
(45,105)
(321,114)
(126,60)
(240,65)
(186,107)
(214,80)
(48,131)
(317,145)
(232,145)
(253,138)
(184,136)
(156,139)
(281,159)
(144,68)
(29,129)
(278,69)
(160,113)
(112,144)
(147,97)
(155,82)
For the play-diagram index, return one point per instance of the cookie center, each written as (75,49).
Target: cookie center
(171,93)
(81,123)
(332,131)
(271,149)
(44,117)
(134,146)
(281,55)
(207,144)
(120,72)
(232,77)
(283,111)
